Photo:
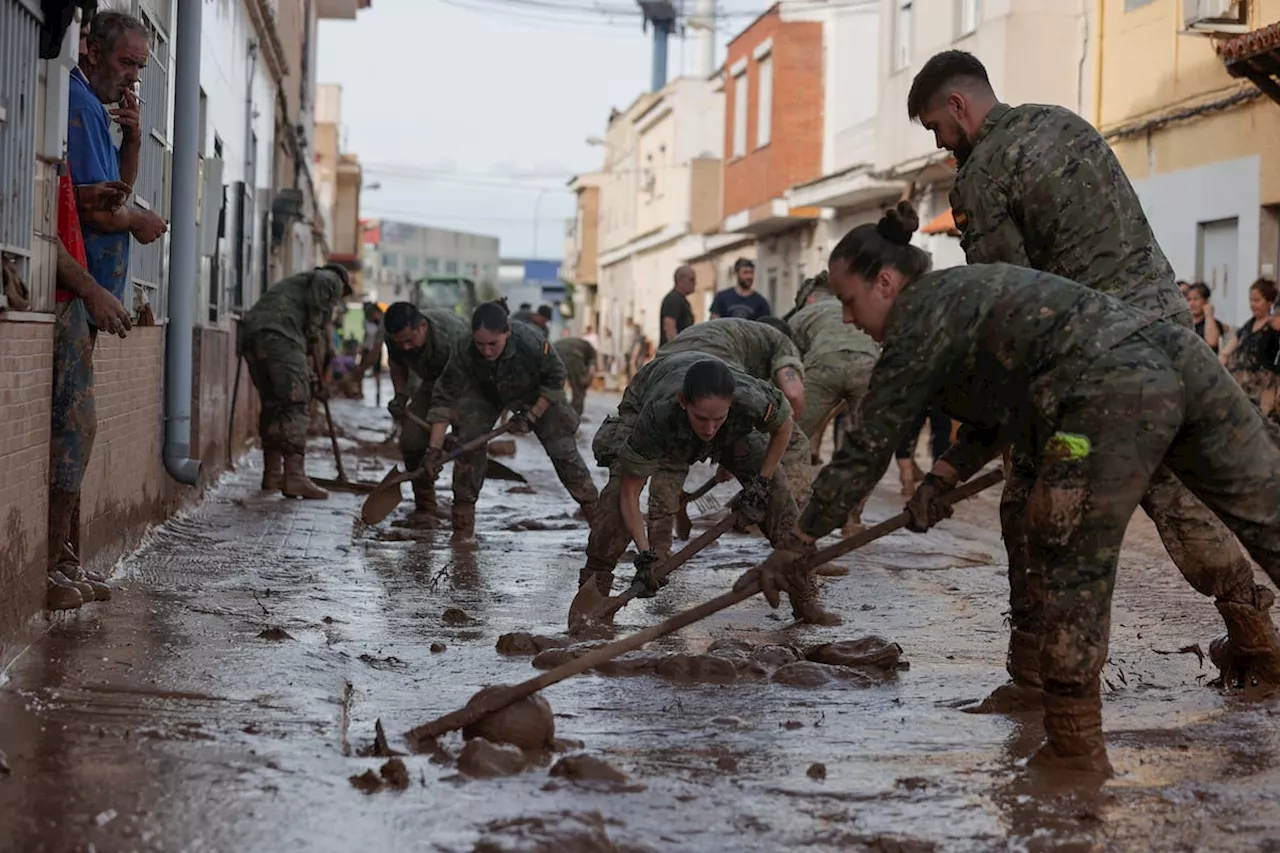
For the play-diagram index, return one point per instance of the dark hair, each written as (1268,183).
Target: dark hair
(868,248)
(941,70)
(1266,287)
(108,27)
(709,377)
(525,306)
(1201,288)
(400,316)
(490,316)
(743,263)
(777,323)
(545,312)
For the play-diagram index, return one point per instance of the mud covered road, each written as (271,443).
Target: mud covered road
(222,700)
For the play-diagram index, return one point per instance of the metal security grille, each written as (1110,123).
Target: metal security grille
(147,263)
(19,55)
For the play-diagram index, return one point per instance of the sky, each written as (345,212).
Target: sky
(473,114)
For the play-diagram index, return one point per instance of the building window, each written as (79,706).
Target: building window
(902,35)
(764,101)
(740,115)
(1130,5)
(450,267)
(968,16)
(390,261)
(411,263)
(433,266)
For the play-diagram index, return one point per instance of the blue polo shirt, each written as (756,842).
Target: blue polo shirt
(94,158)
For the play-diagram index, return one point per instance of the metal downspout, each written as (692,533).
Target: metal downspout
(178,351)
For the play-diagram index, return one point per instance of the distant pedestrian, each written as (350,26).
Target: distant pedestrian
(676,314)
(1253,357)
(1207,326)
(537,319)
(741,300)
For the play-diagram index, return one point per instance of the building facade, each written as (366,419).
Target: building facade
(338,183)
(581,251)
(397,254)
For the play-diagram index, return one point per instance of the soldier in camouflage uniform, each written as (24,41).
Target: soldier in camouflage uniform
(1113,393)
(1038,186)
(680,409)
(420,343)
(279,338)
(838,360)
(504,365)
(763,352)
(537,319)
(579,359)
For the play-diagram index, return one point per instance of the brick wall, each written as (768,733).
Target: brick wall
(26,378)
(794,152)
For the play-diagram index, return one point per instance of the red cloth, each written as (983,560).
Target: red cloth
(69,228)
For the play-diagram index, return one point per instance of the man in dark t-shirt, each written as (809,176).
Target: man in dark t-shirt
(676,314)
(741,300)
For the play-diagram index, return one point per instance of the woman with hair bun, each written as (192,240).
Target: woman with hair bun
(1110,392)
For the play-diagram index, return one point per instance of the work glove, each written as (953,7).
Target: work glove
(781,572)
(926,507)
(434,461)
(397,404)
(521,423)
(752,503)
(645,562)
(319,390)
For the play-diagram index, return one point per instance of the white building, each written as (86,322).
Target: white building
(396,254)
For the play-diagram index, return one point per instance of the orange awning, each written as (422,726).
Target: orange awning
(943,223)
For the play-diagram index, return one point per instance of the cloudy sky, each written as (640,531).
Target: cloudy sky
(473,114)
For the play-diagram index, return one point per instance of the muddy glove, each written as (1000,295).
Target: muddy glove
(319,390)
(397,404)
(521,423)
(645,562)
(926,507)
(434,461)
(779,573)
(752,503)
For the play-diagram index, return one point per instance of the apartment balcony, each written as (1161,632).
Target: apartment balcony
(340,10)
(850,189)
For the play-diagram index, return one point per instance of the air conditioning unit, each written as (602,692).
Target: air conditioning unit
(1215,17)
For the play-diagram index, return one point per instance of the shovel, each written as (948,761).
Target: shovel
(590,608)
(421,738)
(386,496)
(684,524)
(494,470)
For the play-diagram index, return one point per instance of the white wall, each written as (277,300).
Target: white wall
(1177,202)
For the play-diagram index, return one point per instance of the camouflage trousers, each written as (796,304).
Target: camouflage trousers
(609,536)
(73,425)
(578,389)
(1156,410)
(279,370)
(666,485)
(414,440)
(829,380)
(556,429)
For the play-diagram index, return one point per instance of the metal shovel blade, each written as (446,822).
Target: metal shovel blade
(384,498)
(495,470)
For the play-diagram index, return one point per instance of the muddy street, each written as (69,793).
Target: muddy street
(226,697)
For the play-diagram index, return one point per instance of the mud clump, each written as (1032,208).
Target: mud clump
(395,774)
(630,664)
(526,723)
(809,674)
(275,635)
(867,653)
(367,782)
(551,658)
(817,771)
(454,616)
(482,759)
(520,643)
(588,768)
(700,668)
(554,833)
(772,655)
(437,648)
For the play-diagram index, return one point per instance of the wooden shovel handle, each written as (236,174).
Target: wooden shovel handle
(499,699)
(673,562)
(473,444)
(690,497)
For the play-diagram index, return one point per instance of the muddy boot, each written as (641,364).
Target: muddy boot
(660,533)
(806,607)
(1024,691)
(464,522)
(1250,657)
(604,580)
(297,484)
(83,587)
(95,583)
(1073,726)
(61,594)
(907,474)
(272,470)
(426,510)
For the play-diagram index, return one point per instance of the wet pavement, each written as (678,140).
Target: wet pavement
(222,700)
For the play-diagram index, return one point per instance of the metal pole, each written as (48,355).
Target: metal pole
(183,250)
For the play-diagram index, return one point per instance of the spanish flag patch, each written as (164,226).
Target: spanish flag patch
(961,219)
(546,347)
(768,413)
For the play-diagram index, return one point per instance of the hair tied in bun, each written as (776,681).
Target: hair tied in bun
(899,223)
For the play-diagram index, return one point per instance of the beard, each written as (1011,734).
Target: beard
(963,150)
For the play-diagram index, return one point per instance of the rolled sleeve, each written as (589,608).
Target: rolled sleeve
(776,413)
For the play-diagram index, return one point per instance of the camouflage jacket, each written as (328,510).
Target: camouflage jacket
(578,355)
(660,428)
(530,318)
(1043,189)
(445,329)
(819,329)
(297,307)
(528,368)
(992,345)
(748,345)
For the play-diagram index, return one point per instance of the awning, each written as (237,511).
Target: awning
(1256,57)
(943,223)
